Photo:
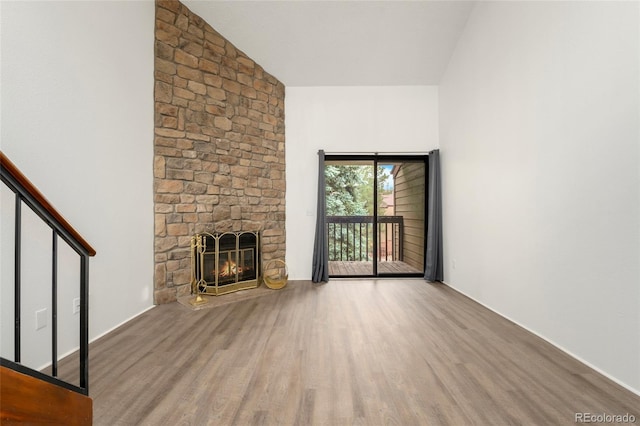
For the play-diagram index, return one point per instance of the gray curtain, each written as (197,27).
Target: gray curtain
(433,270)
(320,269)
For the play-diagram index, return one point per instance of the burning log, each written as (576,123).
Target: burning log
(229,269)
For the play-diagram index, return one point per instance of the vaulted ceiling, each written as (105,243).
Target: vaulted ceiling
(342,43)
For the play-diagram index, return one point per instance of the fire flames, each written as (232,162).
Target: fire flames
(228,269)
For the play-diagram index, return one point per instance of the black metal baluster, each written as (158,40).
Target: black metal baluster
(354,242)
(360,243)
(380,241)
(401,240)
(344,233)
(54,305)
(376,242)
(393,242)
(328,228)
(379,245)
(386,241)
(340,239)
(17,278)
(335,243)
(366,242)
(84,323)
(346,242)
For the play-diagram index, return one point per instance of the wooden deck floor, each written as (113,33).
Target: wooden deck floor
(337,268)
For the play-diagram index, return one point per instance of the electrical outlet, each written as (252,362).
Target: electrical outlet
(41,319)
(453,264)
(76,305)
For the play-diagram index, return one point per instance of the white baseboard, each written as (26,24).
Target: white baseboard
(77,348)
(120,324)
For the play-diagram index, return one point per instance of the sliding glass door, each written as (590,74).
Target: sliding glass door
(375,215)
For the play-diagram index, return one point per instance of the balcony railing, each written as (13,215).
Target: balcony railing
(351,238)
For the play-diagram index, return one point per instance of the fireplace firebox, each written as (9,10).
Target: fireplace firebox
(224,262)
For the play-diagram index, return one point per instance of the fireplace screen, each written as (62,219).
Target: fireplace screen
(224,262)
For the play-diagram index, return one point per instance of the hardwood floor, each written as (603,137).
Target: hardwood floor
(392,352)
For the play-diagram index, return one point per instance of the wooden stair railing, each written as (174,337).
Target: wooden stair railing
(54,401)
(10,168)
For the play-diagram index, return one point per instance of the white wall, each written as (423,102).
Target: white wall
(345,119)
(539,125)
(77,119)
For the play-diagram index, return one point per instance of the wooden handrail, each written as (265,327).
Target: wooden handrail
(11,168)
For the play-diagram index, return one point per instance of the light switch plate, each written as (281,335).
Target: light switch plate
(41,319)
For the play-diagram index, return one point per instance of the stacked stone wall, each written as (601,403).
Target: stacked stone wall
(219,156)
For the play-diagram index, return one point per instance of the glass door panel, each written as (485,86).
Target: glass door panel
(401,217)
(350,217)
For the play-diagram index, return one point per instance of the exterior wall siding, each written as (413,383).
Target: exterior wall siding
(409,203)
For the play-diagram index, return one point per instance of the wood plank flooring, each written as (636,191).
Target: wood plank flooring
(366,352)
(339,268)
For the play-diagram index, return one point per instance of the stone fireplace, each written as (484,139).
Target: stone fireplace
(219,153)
